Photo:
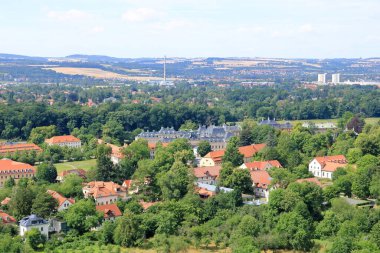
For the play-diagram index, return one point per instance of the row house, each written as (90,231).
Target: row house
(16,170)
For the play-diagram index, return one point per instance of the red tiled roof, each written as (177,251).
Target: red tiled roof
(10,167)
(216,155)
(146,205)
(153,145)
(311,179)
(80,172)
(331,166)
(62,139)
(103,189)
(204,171)
(110,210)
(5,201)
(331,163)
(251,150)
(261,165)
(6,218)
(18,147)
(260,178)
(334,158)
(60,199)
(127,183)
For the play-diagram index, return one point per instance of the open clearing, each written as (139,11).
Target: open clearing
(85,165)
(99,73)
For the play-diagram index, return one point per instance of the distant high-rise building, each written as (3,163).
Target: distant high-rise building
(322,78)
(335,78)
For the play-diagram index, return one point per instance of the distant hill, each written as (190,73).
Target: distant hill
(21,57)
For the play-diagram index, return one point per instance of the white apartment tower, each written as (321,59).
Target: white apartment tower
(322,78)
(335,78)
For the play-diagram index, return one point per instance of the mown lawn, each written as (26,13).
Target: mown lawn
(85,165)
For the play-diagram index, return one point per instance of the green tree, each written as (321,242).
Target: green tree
(46,172)
(44,205)
(106,232)
(105,169)
(232,153)
(204,148)
(175,183)
(188,125)
(35,239)
(82,216)
(39,134)
(240,179)
(21,201)
(128,232)
(9,183)
(295,231)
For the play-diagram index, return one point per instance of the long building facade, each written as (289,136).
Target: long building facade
(218,136)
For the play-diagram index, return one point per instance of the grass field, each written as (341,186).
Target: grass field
(99,73)
(85,165)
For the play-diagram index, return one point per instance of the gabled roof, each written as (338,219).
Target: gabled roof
(5,201)
(127,183)
(18,147)
(62,139)
(311,180)
(60,199)
(146,205)
(6,218)
(262,165)
(205,171)
(110,210)
(153,145)
(216,155)
(332,158)
(260,178)
(331,163)
(80,172)
(251,150)
(8,166)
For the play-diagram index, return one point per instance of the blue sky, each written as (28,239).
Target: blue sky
(192,28)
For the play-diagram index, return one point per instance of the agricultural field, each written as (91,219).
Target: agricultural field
(99,73)
(85,165)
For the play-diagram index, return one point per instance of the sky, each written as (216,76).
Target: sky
(192,28)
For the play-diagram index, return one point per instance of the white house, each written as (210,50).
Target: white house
(63,203)
(324,166)
(64,141)
(261,183)
(33,221)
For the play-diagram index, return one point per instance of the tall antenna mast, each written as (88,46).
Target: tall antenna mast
(165,69)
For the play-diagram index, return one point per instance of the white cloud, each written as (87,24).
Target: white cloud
(250,29)
(172,25)
(306,28)
(141,15)
(70,15)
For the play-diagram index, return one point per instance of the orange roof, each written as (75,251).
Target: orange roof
(110,210)
(10,167)
(116,151)
(260,178)
(79,172)
(205,192)
(331,166)
(18,147)
(333,158)
(216,155)
(103,189)
(311,180)
(5,201)
(6,218)
(146,205)
(127,183)
(205,171)
(152,145)
(251,150)
(262,165)
(331,163)
(60,199)
(62,139)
